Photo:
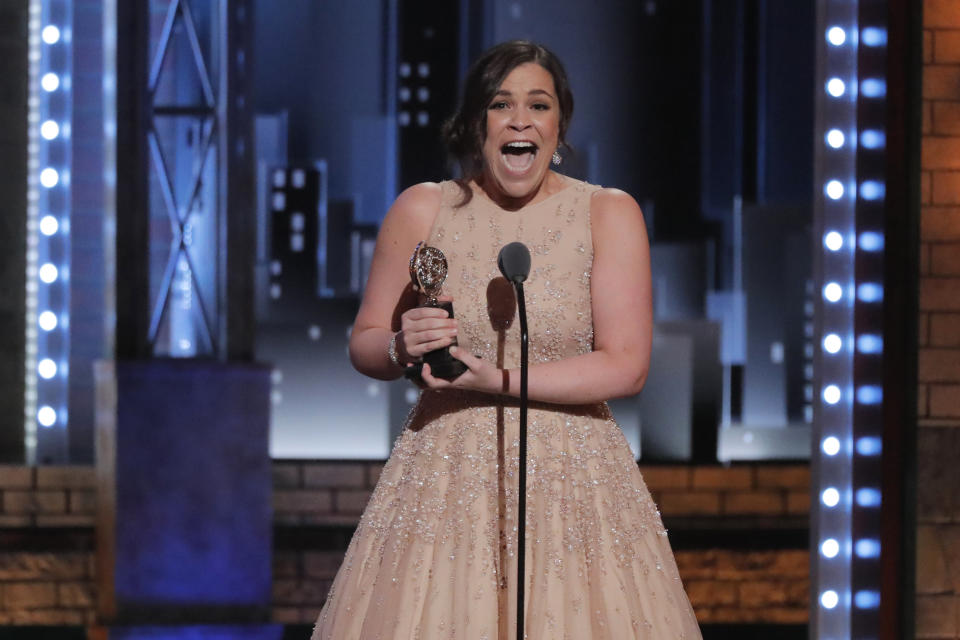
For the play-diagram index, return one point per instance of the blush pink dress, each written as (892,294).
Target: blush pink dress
(434,555)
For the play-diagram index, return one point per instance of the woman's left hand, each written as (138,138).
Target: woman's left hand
(479,376)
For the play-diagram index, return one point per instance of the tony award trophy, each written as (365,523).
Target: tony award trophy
(428,270)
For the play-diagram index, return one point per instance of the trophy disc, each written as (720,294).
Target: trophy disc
(428,269)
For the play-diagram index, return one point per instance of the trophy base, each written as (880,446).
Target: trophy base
(443,365)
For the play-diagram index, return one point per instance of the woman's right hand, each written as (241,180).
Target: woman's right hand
(424,329)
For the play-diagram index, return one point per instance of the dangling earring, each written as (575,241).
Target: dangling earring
(556,158)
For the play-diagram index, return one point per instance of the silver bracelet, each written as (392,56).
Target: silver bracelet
(392,350)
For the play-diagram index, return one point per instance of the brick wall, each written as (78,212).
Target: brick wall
(47,588)
(727,586)
(938,441)
(56,587)
(47,496)
(313,493)
(737,491)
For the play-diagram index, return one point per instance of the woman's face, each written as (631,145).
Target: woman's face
(523,129)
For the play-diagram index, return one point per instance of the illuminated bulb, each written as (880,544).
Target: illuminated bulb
(49,130)
(834,189)
(870,292)
(873,37)
(830,497)
(867,548)
(50,34)
(832,292)
(873,139)
(836,36)
(836,87)
(867,497)
(871,190)
(873,88)
(869,394)
(869,446)
(831,394)
(49,177)
(47,320)
(830,548)
(835,138)
(47,368)
(866,599)
(833,240)
(831,446)
(48,273)
(870,241)
(46,416)
(832,343)
(829,599)
(868,343)
(50,82)
(49,225)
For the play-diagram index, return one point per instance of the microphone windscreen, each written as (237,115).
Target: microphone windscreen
(514,262)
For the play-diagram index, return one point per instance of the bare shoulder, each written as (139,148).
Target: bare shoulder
(609,205)
(413,212)
(424,194)
(616,222)
(419,200)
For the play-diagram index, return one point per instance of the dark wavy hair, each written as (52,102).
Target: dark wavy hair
(465,131)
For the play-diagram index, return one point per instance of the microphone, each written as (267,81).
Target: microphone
(514,262)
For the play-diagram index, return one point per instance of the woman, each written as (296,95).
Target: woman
(434,554)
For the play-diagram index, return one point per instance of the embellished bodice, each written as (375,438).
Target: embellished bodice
(557,291)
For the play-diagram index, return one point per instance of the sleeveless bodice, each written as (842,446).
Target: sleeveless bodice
(557,291)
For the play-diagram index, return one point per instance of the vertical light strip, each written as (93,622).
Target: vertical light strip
(835,233)
(34,56)
(868,423)
(48,228)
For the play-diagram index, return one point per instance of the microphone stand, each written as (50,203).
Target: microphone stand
(514,263)
(522,506)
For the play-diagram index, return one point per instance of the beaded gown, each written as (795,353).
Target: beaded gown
(434,555)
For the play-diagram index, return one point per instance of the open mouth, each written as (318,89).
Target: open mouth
(518,156)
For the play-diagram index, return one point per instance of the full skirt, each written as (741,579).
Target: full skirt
(434,555)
